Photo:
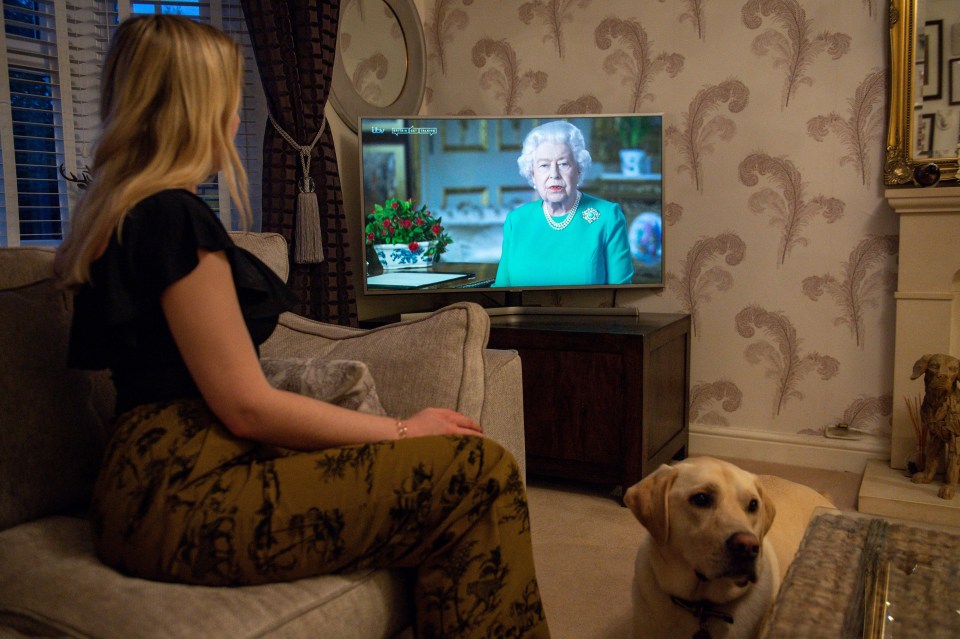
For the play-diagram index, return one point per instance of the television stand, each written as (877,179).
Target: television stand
(605,394)
(606,391)
(546,311)
(625,311)
(513,298)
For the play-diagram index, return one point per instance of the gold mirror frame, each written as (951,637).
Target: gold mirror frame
(350,105)
(900,163)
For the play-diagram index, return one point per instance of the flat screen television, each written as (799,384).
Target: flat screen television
(458,204)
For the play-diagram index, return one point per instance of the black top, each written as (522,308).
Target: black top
(118,322)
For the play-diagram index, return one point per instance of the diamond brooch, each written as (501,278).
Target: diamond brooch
(591,215)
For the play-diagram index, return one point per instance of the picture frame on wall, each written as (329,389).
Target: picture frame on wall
(927,124)
(512,131)
(465,135)
(921,78)
(954,67)
(933,56)
(384,173)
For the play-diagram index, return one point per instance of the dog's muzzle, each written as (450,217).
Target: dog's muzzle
(743,549)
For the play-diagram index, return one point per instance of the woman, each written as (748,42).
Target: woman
(566,237)
(211,475)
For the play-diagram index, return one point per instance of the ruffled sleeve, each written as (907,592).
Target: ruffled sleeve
(118,311)
(160,239)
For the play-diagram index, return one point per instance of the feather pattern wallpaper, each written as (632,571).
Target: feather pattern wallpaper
(779,242)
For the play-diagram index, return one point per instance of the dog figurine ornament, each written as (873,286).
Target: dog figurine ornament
(940,417)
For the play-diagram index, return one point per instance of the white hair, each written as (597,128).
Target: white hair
(557,131)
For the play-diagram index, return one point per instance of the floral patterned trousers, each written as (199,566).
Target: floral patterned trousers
(180,499)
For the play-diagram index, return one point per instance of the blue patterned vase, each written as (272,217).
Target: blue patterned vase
(393,256)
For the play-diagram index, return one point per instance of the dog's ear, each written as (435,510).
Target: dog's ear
(648,500)
(920,366)
(769,511)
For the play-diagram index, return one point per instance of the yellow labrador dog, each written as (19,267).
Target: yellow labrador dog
(718,541)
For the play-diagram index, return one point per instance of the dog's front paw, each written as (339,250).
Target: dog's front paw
(921,478)
(947,492)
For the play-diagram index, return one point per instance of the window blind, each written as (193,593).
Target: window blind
(51,54)
(32,120)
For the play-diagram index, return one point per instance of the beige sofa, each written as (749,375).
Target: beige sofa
(53,423)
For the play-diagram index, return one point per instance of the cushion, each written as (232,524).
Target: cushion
(54,585)
(24,265)
(52,419)
(342,382)
(436,360)
(271,248)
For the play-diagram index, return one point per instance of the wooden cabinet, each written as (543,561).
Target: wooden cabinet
(605,397)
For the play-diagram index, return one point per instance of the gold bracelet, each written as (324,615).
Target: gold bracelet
(401,429)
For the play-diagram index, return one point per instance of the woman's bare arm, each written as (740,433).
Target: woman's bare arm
(204,316)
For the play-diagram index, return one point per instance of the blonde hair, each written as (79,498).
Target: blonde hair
(169,92)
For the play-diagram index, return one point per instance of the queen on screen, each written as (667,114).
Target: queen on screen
(565,237)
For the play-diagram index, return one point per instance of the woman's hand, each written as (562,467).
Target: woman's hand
(440,421)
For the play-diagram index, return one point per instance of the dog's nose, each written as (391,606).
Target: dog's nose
(743,545)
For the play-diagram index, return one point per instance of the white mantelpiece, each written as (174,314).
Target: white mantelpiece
(927,321)
(928,295)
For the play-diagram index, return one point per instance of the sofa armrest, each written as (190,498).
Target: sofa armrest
(438,360)
(502,416)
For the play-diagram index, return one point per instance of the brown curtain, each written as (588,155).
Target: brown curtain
(294,43)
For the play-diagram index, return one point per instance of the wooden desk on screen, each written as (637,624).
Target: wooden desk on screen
(471,271)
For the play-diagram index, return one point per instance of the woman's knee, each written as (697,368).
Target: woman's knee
(489,453)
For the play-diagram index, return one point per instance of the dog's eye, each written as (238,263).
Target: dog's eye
(701,500)
(753,506)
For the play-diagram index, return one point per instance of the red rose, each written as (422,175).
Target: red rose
(395,205)
(386,224)
(419,222)
(413,246)
(371,237)
(407,224)
(436,229)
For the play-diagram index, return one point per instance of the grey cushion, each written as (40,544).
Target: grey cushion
(437,360)
(342,382)
(52,419)
(105,604)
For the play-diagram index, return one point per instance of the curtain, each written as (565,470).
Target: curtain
(294,44)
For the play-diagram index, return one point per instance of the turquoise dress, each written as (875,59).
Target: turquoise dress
(536,254)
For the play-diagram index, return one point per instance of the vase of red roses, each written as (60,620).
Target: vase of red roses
(403,236)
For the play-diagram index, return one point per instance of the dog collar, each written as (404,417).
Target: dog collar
(703,610)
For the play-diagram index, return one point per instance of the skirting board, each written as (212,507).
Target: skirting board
(795,450)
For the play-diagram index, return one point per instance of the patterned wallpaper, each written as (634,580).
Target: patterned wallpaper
(779,242)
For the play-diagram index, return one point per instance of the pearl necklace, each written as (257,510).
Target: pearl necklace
(559,226)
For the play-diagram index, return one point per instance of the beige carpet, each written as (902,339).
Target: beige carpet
(584,544)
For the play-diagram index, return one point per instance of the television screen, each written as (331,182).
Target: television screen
(512,203)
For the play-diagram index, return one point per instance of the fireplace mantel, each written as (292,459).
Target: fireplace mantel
(927,321)
(928,286)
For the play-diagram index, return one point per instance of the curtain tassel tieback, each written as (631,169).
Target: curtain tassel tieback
(308,239)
